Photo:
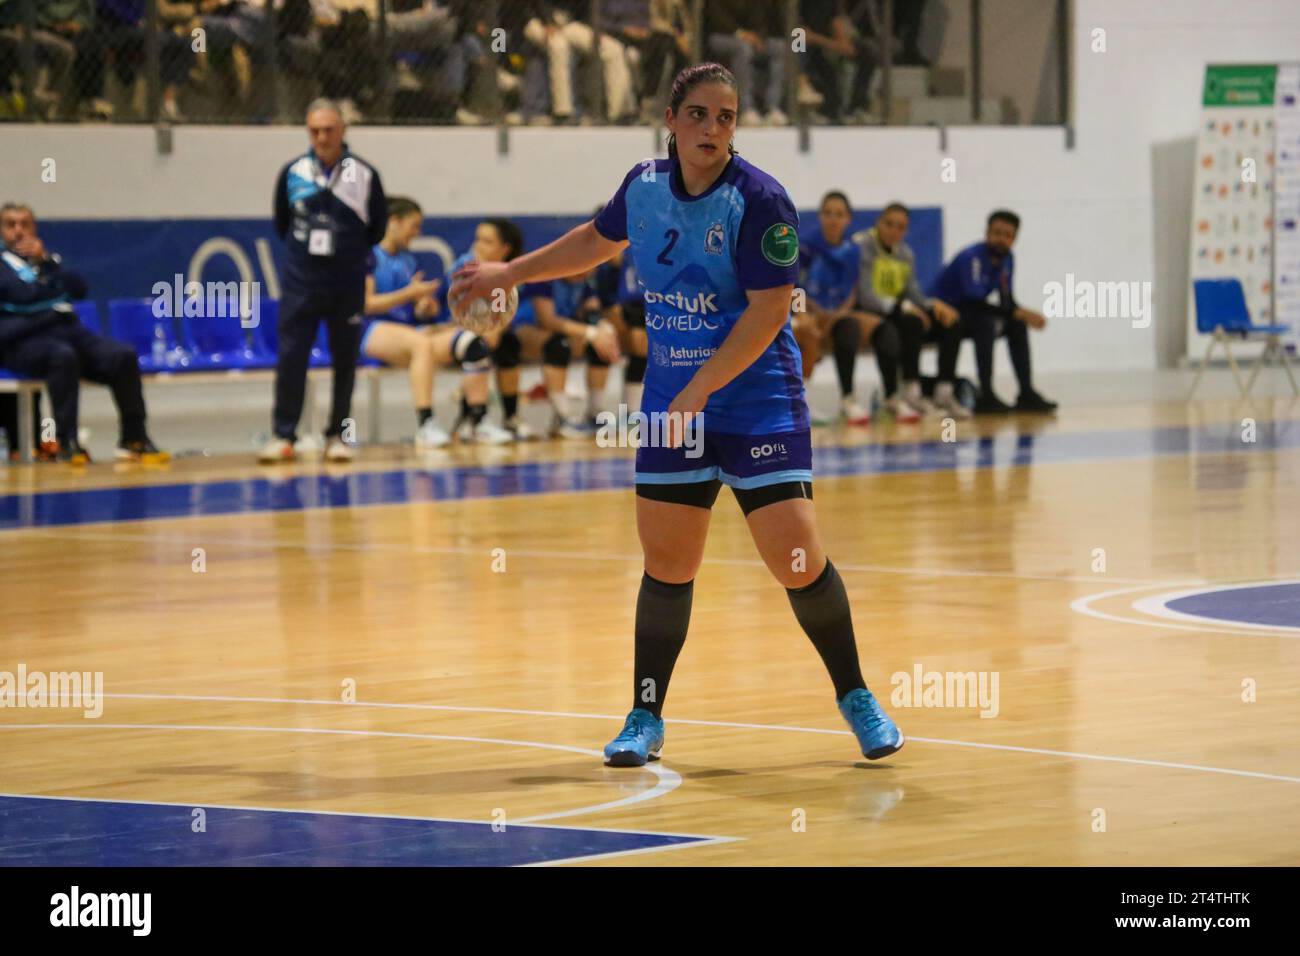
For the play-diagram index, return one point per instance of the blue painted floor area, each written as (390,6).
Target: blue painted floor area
(43,832)
(418,485)
(1273,604)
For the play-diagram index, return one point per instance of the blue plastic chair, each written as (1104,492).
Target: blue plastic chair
(88,312)
(219,343)
(1221,312)
(132,321)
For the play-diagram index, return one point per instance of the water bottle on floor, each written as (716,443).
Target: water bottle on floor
(159,354)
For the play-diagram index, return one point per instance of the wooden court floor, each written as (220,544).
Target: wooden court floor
(463,653)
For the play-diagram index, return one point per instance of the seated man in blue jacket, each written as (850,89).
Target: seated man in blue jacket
(977,283)
(41,337)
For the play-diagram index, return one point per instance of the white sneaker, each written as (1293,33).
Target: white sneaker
(751,118)
(276,450)
(777,118)
(854,413)
(521,430)
(488,434)
(945,402)
(431,436)
(336,449)
(902,411)
(574,428)
(808,95)
(913,395)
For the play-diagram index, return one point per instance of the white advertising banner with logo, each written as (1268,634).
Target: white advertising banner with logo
(1247,200)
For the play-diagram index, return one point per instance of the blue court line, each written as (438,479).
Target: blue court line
(264,494)
(36,831)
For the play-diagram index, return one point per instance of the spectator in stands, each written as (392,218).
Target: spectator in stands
(556,30)
(888,289)
(41,337)
(672,32)
(119,33)
(842,55)
(329,210)
(57,23)
(628,23)
(745,34)
(977,276)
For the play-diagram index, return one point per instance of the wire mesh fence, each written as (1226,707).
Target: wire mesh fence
(517,62)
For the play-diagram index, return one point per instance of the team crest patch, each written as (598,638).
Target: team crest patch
(715,239)
(660,354)
(780,244)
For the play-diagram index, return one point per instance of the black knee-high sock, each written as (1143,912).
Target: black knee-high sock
(663,613)
(509,406)
(846,336)
(822,610)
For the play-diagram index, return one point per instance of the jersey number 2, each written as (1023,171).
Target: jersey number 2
(671,235)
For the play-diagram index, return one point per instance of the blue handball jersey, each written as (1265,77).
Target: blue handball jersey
(830,273)
(393,271)
(696,256)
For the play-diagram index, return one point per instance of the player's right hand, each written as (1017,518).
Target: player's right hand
(478,280)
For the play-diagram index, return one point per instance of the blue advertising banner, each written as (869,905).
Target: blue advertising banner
(127,258)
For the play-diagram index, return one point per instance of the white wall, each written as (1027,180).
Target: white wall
(1088,211)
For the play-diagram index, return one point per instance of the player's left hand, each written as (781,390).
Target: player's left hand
(688,403)
(1034,320)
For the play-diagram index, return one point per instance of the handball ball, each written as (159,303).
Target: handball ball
(491,314)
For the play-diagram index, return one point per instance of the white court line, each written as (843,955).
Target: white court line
(668,779)
(281,543)
(1083,605)
(1105,758)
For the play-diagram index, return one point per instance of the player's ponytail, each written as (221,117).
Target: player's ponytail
(687,80)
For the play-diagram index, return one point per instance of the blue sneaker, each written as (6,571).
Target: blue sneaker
(878,736)
(642,739)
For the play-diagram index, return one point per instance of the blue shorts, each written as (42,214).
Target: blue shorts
(740,461)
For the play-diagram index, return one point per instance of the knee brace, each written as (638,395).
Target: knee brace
(593,357)
(635,370)
(508,350)
(556,351)
(470,351)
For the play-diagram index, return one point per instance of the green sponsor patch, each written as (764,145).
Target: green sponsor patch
(780,244)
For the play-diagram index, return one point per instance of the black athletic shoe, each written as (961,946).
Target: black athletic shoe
(1031,401)
(144,451)
(989,404)
(73,453)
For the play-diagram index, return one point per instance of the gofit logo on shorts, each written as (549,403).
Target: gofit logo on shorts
(767,451)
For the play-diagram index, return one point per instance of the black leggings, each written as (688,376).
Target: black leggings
(912,334)
(702,494)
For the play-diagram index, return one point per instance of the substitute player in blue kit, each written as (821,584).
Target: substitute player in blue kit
(715,243)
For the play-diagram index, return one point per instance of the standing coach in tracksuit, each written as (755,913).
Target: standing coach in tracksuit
(330,211)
